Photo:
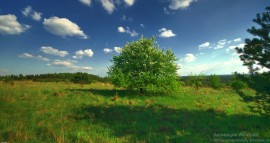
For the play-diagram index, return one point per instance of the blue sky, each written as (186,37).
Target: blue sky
(48,36)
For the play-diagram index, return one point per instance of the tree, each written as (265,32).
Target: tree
(214,81)
(142,66)
(81,78)
(257,50)
(195,80)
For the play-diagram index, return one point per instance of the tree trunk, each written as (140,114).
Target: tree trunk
(142,91)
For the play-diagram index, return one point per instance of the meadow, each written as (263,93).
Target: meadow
(100,113)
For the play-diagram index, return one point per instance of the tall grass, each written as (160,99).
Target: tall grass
(65,112)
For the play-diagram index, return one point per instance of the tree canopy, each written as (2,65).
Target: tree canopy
(257,50)
(142,65)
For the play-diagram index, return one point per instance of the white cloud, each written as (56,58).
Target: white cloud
(132,33)
(189,58)
(52,51)
(168,11)
(180,4)
(231,49)
(10,26)
(3,71)
(108,5)
(166,33)
(29,56)
(83,53)
(237,40)
(63,27)
(221,44)
(28,11)
(62,63)
(118,49)
(204,46)
(107,50)
(26,56)
(86,2)
(69,64)
(142,25)
(121,29)
(129,2)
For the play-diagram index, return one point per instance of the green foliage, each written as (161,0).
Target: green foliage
(142,66)
(82,78)
(257,50)
(195,80)
(214,81)
(238,85)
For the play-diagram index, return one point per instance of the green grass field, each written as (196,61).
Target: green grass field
(64,112)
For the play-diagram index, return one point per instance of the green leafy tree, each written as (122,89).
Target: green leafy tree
(214,81)
(142,66)
(257,50)
(81,78)
(195,80)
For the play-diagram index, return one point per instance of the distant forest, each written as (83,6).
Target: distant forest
(52,77)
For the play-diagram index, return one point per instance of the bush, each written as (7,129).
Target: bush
(81,78)
(214,81)
(195,80)
(238,85)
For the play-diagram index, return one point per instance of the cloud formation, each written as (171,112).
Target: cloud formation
(180,4)
(69,64)
(52,51)
(28,11)
(29,56)
(63,27)
(86,2)
(108,5)
(132,33)
(129,2)
(188,58)
(10,26)
(118,49)
(166,33)
(107,50)
(83,53)
(204,45)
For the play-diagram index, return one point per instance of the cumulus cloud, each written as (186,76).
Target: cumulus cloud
(132,33)
(86,2)
(129,2)
(30,56)
(204,46)
(188,58)
(107,50)
(166,33)
(69,64)
(108,5)
(52,51)
(121,29)
(3,71)
(142,25)
(83,53)
(180,4)
(118,49)
(10,26)
(28,11)
(221,44)
(231,49)
(237,40)
(63,27)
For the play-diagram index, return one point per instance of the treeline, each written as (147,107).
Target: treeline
(53,77)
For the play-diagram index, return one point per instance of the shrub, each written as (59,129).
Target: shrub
(238,85)
(214,81)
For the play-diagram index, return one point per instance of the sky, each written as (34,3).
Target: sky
(53,36)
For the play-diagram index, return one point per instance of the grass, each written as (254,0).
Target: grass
(65,112)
